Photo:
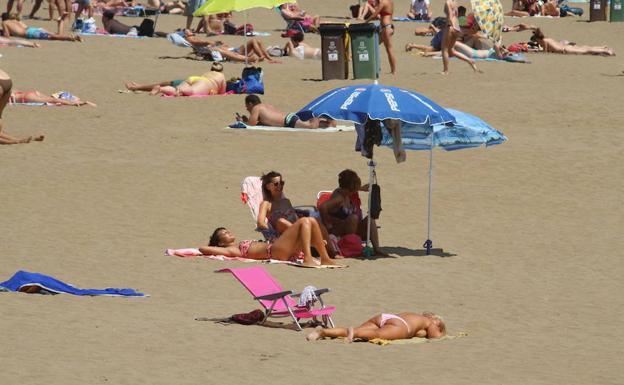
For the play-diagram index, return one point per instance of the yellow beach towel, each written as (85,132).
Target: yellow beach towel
(415,340)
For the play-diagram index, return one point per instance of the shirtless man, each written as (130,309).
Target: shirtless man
(388,327)
(384,10)
(297,48)
(267,115)
(210,83)
(12,27)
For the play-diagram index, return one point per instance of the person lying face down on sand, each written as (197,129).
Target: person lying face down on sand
(388,327)
(342,217)
(255,50)
(297,48)
(6,85)
(210,83)
(116,27)
(59,98)
(8,42)
(264,114)
(297,239)
(567,48)
(277,210)
(16,28)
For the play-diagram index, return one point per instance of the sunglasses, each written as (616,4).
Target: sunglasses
(277,184)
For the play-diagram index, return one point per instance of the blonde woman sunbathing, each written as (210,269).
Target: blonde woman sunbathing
(59,99)
(210,83)
(296,240)
(388,327)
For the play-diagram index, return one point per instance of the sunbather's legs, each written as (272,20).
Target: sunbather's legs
(166,90)
(588,50)
(20,6)
(386,39)
(53,36)
(301,236)
(64,9)
(133,86)
(424,48)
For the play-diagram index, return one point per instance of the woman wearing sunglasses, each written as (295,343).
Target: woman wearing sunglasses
(277,213)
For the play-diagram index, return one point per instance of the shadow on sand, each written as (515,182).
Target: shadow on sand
(405,252)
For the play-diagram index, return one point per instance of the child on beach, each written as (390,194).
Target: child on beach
(388,327)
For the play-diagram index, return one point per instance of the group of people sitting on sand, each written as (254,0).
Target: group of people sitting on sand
(292,235)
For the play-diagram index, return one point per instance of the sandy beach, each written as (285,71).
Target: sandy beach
(531,265)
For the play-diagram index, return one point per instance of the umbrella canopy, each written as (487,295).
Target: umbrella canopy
(489,15)
(222,6)
(378,102)
(468,132)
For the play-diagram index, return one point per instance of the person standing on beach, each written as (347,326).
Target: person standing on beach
(451,32)
(384,10)
(6,84)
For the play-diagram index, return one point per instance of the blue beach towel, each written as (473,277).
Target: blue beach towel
(396,18)
(53,285)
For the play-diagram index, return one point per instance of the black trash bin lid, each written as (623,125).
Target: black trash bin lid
(332,27)
(362,27)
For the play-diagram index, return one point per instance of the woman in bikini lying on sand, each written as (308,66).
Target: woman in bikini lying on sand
(566,48)
(6,84)
(297,239)
(210,83)
(59,99)
(388,327)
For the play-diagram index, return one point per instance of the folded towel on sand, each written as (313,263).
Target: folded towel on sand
(241,125)
(415,340)
(22,280)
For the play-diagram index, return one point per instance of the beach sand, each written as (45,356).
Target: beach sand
(530,227)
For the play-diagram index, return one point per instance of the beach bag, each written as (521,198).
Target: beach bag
(237,86)
(252,78)
(375,208)
(146,28)
(351,246)
(89,26)
(78,24)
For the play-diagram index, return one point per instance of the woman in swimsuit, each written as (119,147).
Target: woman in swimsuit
(6,84)
(451,33)
(210,83)
(341,216)
(384,10)
(298,238)
(553,46)
(277,210)
(388,327)
(60,99)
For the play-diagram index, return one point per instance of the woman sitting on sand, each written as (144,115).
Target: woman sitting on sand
(6,84)
(59,99)
(388,327)
(296,240)
(341,216)
(210,83)
(277,210)
(567,48)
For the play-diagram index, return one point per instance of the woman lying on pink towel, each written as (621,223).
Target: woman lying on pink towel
(297,239)
(388,327)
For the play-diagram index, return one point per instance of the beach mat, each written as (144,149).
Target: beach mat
(515,58)
(23,280)
(397,18)
(243,126)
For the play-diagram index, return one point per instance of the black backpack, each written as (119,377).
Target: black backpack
(146,28)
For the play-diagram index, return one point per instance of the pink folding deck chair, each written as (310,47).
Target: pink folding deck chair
(278,302)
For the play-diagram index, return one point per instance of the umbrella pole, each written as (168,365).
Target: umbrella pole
(428,244)
(245,33)
(371,170)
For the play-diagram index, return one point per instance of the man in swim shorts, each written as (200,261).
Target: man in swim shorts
(13,27)
(263,114)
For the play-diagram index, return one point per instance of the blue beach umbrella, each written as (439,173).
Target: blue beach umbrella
(468,131)
(377,102)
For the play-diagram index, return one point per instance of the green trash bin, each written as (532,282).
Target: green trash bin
(333,52)
(616,13)
(365,50)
